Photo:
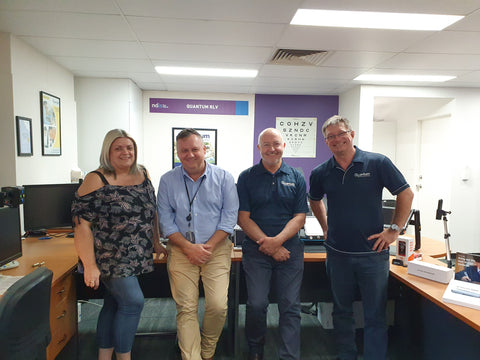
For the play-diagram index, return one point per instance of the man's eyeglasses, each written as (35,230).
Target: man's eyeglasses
(340,135)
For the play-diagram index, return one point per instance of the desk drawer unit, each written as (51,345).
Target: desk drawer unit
(62,314)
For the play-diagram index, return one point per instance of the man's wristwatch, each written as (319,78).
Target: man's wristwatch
(395,227)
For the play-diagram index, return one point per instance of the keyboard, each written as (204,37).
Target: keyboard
(314,249)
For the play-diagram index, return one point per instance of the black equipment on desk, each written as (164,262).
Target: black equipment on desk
(414,219)
(442,214)
(238,237)
(48,206)
(10,237)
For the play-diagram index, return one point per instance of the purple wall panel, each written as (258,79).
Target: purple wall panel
(269,107)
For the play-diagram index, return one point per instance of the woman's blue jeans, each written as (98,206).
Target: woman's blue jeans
(369,274)
(120,314)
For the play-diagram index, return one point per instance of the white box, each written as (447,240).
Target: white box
(430,271)
(325,309)
(405,249)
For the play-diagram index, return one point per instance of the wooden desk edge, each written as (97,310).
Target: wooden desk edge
(462,313)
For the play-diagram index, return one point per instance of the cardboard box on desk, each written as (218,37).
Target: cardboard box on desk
(430,271)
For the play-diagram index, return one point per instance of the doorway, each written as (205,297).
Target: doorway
(417,130)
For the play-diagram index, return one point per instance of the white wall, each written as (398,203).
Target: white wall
(349,107)
(103,105)
(32,72)
(234,133)
(7,122)
(464,195)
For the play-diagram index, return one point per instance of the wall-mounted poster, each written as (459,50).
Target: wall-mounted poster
(209,137)
(24,136)
(300,136)
(50,116)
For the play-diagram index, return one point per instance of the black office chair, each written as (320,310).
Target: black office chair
(25,317)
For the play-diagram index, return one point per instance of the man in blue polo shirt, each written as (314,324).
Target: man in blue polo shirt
(357,244)
(273,206)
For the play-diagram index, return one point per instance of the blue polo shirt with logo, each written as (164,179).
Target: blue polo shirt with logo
(272,199)
(354,198)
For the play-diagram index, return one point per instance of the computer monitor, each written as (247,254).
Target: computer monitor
(388,210)
(48,206)
(10,237)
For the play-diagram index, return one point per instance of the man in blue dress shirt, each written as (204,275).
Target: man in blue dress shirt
(197,207)
(273,206)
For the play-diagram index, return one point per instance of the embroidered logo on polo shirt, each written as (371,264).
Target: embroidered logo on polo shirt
(362,175)
(287,183)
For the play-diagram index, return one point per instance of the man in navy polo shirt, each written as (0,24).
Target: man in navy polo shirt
(357,244)
(273,206)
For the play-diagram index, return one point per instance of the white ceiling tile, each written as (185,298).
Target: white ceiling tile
(226,88)
(85,6)
(104,64)
(66,25)
(470,77)
(444,42)
(207,53)
(126,39)
(309,72)
(151,85)
(356,59)
(205,32)
(470,23)
(433,62)
(87,48)
(270,11)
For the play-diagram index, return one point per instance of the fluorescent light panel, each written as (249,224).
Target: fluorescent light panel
(173,70)
(373,20)
(404,78)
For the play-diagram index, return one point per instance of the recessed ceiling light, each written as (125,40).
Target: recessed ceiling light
(172,70)
(404,78)
(373,20)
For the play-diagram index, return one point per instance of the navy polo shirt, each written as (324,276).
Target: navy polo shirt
(272,199)
(354,198)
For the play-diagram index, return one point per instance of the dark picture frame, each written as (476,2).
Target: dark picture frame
(51,124)
(24,136)
(209,139)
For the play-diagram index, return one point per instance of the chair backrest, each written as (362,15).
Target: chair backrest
(25,317)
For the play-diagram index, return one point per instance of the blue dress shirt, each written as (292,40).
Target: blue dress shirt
(214,205)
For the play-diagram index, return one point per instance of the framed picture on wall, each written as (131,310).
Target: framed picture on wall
(24,136)
(50,119)
(209,137)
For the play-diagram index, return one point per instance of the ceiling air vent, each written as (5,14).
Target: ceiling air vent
(298,57)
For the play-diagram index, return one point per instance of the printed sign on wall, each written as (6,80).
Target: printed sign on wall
(300,136)
(196,106)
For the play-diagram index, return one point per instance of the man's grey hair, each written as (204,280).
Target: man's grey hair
(335,120)
(188,132)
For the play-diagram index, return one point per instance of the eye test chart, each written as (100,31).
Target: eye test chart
(300,136)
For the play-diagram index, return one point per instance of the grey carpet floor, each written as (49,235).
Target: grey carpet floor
(159,316)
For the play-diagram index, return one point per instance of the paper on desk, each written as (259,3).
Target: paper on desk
(312,227)
(463,293)
(6,281)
